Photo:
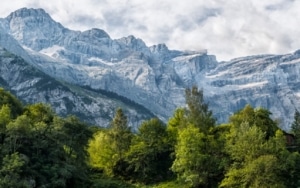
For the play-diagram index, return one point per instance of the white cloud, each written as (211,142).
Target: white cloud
(227,29)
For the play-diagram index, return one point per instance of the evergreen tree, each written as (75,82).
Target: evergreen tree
(120,134)
(198,112)
(111,146)
(295,128)
(199,158)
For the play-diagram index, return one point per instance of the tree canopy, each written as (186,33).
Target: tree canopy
(38,148)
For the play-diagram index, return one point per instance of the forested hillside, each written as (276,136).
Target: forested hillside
(41,149)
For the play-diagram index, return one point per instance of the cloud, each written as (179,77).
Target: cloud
(227,29)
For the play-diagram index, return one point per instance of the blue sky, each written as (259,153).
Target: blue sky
(226,28)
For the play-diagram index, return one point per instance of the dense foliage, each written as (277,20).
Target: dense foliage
(40,149)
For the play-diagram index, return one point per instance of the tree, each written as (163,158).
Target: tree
(39,113)
(198,112)
(295,128)
(265,122)
(177,122)
(5,118)
(148,159)
(259,117)
(120,134)
(100,152)
(246,114)
(17,134)
(12,102)
(111,145)
(257,161)
(199,157)
(74,140)
(39,149)
(11,172)
(194,163)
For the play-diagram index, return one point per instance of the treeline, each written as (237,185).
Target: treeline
(40,149)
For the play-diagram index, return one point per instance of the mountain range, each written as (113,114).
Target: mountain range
(89,74)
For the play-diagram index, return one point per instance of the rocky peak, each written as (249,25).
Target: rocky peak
(34,28)
(159,48)
(95,34)
(25,12)
(134,44)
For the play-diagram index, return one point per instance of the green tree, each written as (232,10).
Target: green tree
(74,136)
(177,122)
(100,152)
(5,118)
(264,121)
(193,164)
(11,172)
(17,134)
(120,134)
(259,117)
(198,111)
(199,156)
(39,149)
(12,102)
(111,146)
(295,128)
(39,113)
(257,162)
(246,114)
(148,159)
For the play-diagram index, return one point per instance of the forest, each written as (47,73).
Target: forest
(38,148)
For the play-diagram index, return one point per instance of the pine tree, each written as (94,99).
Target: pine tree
(198,154)
(120,134)
(296,126)
(198,112)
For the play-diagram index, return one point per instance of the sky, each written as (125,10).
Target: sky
(226,28)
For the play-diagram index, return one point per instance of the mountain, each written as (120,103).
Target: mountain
(152,77)
(93,106)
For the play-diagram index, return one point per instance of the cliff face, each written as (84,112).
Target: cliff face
(154,77)
(92,106)
(270,81)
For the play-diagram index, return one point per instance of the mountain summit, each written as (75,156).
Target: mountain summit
(152,77)
(34,28)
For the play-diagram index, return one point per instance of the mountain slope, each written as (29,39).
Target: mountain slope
(154,77)
(32,85)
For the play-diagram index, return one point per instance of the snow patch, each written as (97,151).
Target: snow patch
(52,51)
(96,59)
(253,85)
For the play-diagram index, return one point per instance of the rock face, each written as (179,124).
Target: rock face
(154,77)
(93,106)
